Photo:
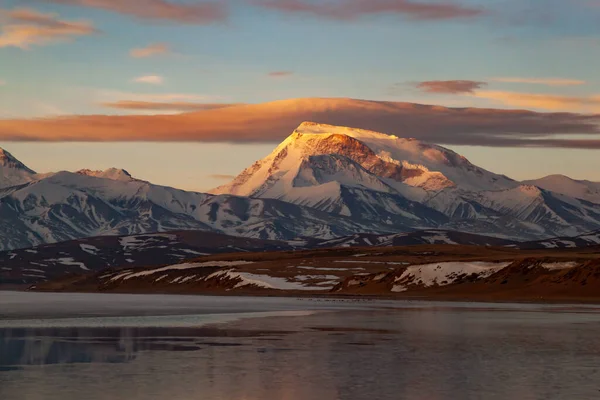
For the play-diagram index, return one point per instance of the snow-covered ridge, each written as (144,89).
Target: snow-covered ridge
(453,166)
(302,154)
(322,182)
(12,171)
(111,173)
(579,189)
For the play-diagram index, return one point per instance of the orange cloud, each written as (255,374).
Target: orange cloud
(543,101)
(272,122)
(450,87)
(24,27)
(160,10)
(353,9)
(151,79)
(180,106)
(541,81)
(280,74)
(150,50)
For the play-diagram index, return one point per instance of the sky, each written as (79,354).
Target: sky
(63,60)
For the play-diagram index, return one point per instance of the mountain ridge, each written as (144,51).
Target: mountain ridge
(323,181)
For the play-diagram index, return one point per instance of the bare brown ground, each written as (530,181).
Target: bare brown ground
(522,281)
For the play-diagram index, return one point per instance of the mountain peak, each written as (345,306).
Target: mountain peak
(114,174)
(9,161)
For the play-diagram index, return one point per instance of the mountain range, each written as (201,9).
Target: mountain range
(321,182)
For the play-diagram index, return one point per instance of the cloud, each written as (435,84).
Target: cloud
(543,101)
(280,74)
(196,13)
(2,83)
(25,27)
(353,9)
(541,81)
(150,79)
(272,122)
(180,106)
(220,177)
(450,87)
(150,50)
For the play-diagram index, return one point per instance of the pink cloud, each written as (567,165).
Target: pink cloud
(450,87)
(541,81)
(280,74)
(150,50)
(150,79)
(24,27)
(199,13)
(544,101)
(272,122)
(353,9)
(181,106)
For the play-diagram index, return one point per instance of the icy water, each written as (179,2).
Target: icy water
(74,346)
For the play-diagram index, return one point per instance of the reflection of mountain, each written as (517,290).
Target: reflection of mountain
(21,347)
(420,352)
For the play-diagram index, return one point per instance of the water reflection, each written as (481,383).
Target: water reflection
(418,354)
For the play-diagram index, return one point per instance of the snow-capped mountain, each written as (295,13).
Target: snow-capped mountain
(375,176)
(317,154)
(12,171)
(65,206)
(585,190)
(111,173)
(322,182)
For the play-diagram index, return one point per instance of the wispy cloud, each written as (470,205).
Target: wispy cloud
(450,87)
(280,74)
(199,13)
(25,27)
(113,95)
(2,83)
(154,49)
(541,81)
(272,122)
(353,9)
(590,104)
(150,79)
(221,177)
(178,106)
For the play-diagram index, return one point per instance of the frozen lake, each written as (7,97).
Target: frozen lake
(94,346)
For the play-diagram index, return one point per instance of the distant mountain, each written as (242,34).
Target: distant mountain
(111,173)
(405,182)
(322,182)
(585,190)
(65,206)
(573,242)
(12,171)
(430,236)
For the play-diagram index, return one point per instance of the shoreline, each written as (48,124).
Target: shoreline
(417,297)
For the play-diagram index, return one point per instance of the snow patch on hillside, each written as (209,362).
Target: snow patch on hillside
(446,273)
(261,281)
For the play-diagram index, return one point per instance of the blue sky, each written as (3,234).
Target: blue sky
(376,56)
